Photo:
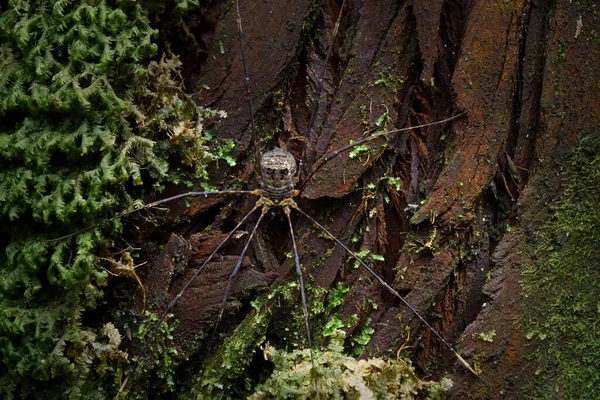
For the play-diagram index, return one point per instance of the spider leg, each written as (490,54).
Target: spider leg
(402,299)
(328,157)
(178,296)
(247,88)
(233,274)
(317,96)
(154,204)
(303,296)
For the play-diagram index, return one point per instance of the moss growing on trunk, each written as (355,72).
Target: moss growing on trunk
(90,116)
(563,286)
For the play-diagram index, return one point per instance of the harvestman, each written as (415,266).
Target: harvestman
(278,178)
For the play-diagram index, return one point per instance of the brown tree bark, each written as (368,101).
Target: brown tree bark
(443,232)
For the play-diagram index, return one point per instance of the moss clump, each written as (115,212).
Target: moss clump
(341,377)
(225,375)
(563,286)
(90,118)
(159,363)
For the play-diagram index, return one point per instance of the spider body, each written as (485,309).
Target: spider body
(277,175)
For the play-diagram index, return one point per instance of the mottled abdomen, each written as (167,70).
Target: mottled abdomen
(278,171)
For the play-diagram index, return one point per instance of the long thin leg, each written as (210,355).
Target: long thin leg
(324,160)
(231,277)
(154,204)
(247,88)
(303,295)
(317,97)
(176,299)
(396,294)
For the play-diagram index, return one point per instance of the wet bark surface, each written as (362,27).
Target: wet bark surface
(464,184)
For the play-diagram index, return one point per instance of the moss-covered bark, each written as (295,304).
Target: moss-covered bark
(91,115)
(462,213)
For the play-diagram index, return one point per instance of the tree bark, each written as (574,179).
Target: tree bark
(454,233)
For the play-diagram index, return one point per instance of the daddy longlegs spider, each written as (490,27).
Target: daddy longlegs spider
(283,179)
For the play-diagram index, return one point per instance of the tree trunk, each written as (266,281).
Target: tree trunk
(453,208)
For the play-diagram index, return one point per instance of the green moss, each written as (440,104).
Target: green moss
(563,285)
(229,373)
(91,116)
(224,374)
(339,376)
(160,360)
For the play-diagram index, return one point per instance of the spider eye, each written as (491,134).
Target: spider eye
(285,171)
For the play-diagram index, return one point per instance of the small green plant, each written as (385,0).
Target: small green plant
(395,182)
(359,150)
(336,296)
(485,336)
(363,337)
(334,324)
(366,254)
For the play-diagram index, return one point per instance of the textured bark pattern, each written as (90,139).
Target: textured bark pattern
(414,62)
